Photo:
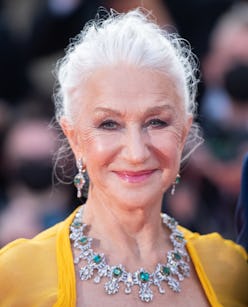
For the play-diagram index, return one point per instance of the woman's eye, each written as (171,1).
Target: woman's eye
(156,123)
(109,125)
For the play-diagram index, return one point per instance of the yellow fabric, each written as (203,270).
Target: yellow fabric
(222,268)
(40,272)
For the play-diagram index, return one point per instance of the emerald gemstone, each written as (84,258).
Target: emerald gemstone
(77,224)
(117,271)
(144,276)
(177,256)
(77,179)
(83,240)
(179,238)
(177,180)
(165,270)
(97,259)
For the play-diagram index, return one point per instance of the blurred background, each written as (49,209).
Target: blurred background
(33,36)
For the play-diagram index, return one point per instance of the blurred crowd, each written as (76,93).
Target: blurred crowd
(33,34)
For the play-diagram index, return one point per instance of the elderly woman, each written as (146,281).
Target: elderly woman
(126,103)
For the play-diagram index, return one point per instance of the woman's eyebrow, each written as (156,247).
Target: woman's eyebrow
(157,109)
(148,111)
(107,110)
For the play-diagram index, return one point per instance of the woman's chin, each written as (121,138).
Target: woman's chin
(137,198)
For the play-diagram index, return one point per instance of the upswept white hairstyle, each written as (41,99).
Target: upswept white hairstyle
(131,38)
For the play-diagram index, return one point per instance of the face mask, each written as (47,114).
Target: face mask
(236,82)
(35,174)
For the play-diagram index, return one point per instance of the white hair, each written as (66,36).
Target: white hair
(131,38)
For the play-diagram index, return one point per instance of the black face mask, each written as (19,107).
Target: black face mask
(35,174)
(236,82)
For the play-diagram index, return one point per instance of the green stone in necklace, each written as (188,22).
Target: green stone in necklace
(172,272)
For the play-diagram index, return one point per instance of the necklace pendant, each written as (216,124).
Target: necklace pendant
(128,289)
(145,293)
(112,286)
(174,284)
(144,280)
(97,279)
(86,272)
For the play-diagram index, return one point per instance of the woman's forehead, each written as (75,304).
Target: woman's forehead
(127,85)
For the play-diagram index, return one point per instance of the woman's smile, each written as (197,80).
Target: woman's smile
(135,176)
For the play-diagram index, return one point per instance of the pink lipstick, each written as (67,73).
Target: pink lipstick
(135,177)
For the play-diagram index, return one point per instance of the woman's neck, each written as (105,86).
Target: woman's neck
(134,233)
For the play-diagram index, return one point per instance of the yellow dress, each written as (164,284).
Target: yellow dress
(40,272)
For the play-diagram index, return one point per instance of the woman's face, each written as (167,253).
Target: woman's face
(130,131)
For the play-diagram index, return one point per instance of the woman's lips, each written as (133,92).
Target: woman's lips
(134,177)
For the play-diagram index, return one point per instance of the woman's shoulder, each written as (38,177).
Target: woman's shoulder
(29,266)
(43,243)
(207,243)
(23,254)
(222,264)
(24,247)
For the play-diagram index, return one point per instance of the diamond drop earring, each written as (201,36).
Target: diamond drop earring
(177,180)
(79,179)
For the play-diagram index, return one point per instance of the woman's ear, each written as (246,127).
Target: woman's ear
(72,136)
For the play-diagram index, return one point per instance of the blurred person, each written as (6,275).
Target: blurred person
(32,203)
(224,116)
(125,99)
(227,52)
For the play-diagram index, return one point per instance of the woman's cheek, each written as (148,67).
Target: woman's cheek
(98,143)
(169,140)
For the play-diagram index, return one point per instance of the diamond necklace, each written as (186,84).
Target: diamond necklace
(172,272)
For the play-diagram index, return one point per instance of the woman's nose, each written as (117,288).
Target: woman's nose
(136,147)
